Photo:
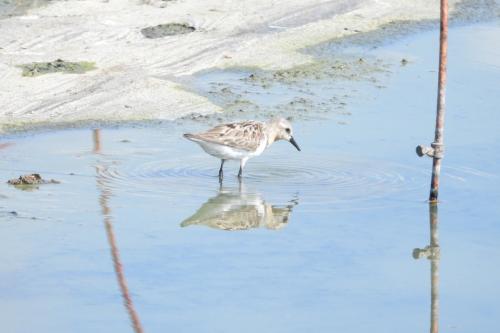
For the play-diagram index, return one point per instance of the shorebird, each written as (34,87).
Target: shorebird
(243,140)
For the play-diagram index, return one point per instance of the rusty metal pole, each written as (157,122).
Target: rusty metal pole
(437,147)
(438,137)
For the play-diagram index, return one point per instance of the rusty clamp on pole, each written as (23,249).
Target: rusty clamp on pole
(436,150)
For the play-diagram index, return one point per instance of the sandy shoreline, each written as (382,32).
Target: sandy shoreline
(136,77)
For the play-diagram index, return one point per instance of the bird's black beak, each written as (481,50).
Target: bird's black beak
(292,141)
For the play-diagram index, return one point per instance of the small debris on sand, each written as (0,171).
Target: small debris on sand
(58,65)
(169,29)
(31,179)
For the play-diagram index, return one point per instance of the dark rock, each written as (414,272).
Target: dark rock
(169,29)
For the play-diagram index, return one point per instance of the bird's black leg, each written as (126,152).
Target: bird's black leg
(221,173)
(242,165)
(240,173)
(240,184)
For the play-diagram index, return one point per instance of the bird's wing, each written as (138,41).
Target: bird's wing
(245,135)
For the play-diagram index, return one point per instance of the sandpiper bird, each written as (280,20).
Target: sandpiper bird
(244,140)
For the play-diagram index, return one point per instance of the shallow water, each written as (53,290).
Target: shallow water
(321,240)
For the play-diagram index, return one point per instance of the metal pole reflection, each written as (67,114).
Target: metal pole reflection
(435,257)
(432,252)
(108,223)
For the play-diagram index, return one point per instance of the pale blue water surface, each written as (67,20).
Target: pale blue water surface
(328,232)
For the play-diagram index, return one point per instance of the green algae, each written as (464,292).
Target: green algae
(56,66)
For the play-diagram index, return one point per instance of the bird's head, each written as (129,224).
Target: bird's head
(281,129)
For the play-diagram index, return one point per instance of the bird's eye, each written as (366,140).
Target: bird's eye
(287,130)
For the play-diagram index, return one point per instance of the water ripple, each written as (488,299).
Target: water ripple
(329,179)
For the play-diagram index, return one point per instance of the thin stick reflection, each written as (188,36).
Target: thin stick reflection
(105,194)
(432,252)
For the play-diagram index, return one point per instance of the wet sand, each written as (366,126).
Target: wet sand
(140,78)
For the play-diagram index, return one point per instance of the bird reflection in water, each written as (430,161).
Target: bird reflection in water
(105,194)
(432,252)
(236,209)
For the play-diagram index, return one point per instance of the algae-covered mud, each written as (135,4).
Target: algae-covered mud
(322,89)
(31,179)
(169,29)
(139,232)
(59,65)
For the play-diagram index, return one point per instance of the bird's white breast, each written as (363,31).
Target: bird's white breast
(230,153)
